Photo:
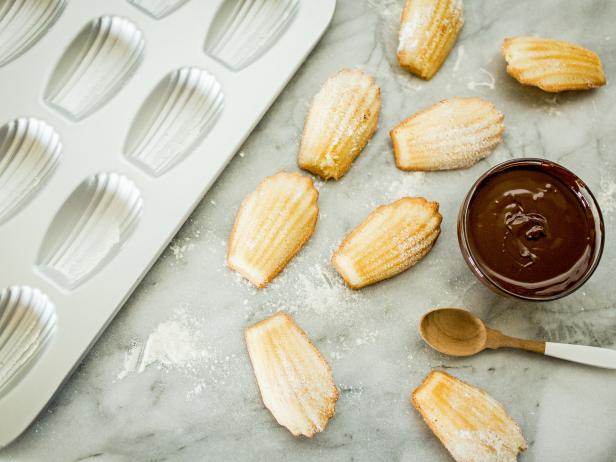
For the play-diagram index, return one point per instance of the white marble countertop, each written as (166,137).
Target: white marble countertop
(199,401)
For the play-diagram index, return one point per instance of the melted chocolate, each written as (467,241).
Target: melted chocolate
(530,232)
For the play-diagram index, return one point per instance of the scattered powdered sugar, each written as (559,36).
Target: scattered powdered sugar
(132,357)
(481,446)
(197,390)
(350,89)
(407,184)
(352,393)
(172,344)
(420,18)
(392,189)
(180,245)
(549,106)
(368,338)
(178,345)
(178,250)
(346,343)
(409,39)
(319,290)
(175,343)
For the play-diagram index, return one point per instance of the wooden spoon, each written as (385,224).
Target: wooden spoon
(457,332)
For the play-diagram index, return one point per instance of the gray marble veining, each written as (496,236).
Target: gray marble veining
(210,409)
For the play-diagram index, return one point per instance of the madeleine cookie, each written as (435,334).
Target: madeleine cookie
(295,381)
(455,133)
(472,425)
(389,241)
(342,118)
(552,65)
(428,30)
(271,226)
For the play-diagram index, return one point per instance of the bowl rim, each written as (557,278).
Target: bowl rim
(465,248)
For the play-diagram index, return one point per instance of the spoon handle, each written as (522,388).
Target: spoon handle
(593,356)
(496,339)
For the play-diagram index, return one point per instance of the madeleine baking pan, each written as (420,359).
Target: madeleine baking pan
(115,119)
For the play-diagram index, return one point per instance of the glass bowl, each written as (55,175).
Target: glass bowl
(576,185)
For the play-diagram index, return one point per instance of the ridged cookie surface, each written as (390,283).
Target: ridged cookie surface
(271,226)
(342,118)
(390,240)
(428,31)
(455,133)
(295,381)
(552,65)
(472,425)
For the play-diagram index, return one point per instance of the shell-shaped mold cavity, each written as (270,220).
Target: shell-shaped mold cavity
(30,149)
(175,117)
(23,23)
(96,64)
(245,29)
(158,8)
(90,228)
(27,324)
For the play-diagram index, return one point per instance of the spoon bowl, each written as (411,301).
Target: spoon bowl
(453,331)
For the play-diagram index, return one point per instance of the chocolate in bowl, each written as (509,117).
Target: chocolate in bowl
(531,229)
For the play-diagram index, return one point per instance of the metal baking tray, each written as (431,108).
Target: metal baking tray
(115,119)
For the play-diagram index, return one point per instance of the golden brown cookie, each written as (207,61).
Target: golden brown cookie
(295,380)
(455,133)
(271,226)
(428,31)
(552,65)
(471,424)
(342,118)
(389,241)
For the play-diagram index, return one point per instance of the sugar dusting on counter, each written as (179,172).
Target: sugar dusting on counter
(409,184)
(181,245)
(175,343)
(172,345)
(480,446)
(178,345)
(318,290)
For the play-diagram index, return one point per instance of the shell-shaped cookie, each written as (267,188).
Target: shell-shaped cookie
(471,424)
(342,118)
(389,241)
(428,31)
(295,380)
(552,65)
(455,133)
(271,226)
